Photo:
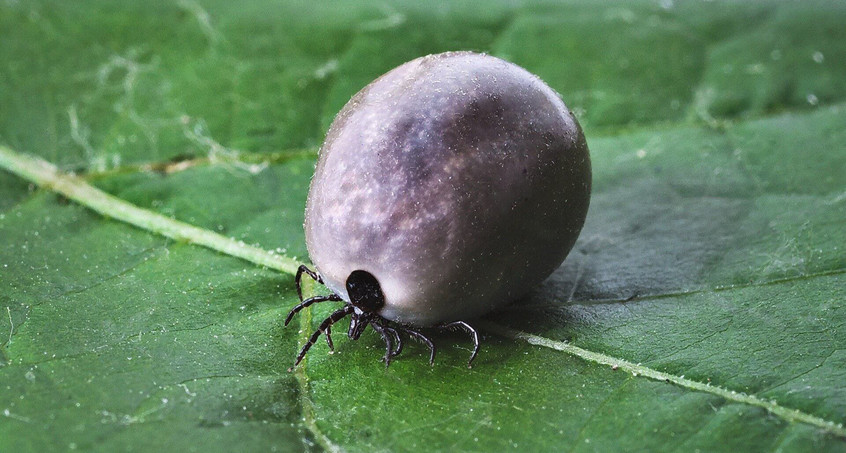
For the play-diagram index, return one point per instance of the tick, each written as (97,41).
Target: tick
(446,188)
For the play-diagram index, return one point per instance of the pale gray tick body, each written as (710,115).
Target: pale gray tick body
(458,181)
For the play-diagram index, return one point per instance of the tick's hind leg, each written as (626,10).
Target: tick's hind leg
(425,340)
(469,329)
(297,279)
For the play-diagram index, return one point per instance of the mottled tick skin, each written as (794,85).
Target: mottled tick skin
(458,180)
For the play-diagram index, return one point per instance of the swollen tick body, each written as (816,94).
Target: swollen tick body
(446,188)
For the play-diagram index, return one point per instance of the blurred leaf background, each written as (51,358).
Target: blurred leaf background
(713,250)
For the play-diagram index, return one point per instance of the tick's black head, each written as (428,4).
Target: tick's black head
(365,292)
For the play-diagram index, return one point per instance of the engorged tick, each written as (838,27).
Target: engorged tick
(446,188)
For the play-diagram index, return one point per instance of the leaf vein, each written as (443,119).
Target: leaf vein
(791,415)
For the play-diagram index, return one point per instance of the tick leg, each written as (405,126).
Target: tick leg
(326,324)
(298,278)
(398,339)
(309,301)
(328,336)
(424,339)
(469,329)
(389,342)
(383,324)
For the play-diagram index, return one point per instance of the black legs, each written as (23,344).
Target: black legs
(469,329)
(425,340)
(324,326)
(390,331)
(381,326)
(309,301)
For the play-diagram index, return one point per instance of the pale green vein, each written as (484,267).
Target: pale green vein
(46,175)
(299,371)
(250,162)
(791,415)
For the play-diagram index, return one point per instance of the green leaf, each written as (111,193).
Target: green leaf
(141,301)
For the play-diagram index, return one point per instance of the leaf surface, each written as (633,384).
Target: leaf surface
(713,253)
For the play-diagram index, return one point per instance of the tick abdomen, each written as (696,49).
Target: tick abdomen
(458,180)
